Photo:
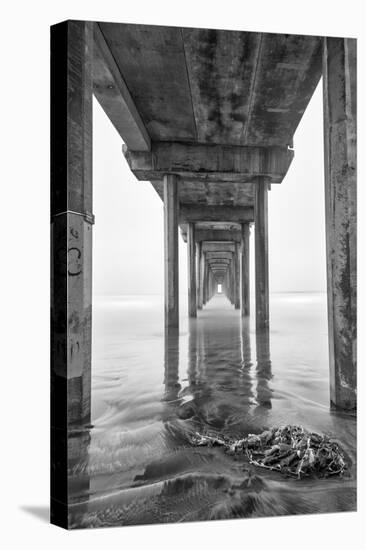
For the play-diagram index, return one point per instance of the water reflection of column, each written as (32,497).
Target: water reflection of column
(264,368)
(246,362)
(78,472)
(245,343)
(201,354)
(192,352)
(171,363)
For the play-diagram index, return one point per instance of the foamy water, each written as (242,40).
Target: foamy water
(149,389)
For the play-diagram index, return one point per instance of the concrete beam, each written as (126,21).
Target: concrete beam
(218,260)
(171,256)
(219,255)
(219,265)
(238,214)
(212,246)
(340,148)
(114,97)
(219,163)
(213,234)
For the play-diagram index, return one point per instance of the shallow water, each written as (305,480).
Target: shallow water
(149,389)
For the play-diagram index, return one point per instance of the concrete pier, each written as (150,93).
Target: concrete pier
(210,147)
(261,255)
(211,142)
(339,87)
(171,256)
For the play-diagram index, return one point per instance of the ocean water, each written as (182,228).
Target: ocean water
(149,389)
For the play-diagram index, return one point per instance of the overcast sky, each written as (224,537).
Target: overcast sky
(128,231)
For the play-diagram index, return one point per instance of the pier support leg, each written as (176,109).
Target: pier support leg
(198,274)
(237,275)
(202,277)
(232,281)
(339,88)
(71,245)
(261,254)
(244,270)
(171,274)
(204,286)
(192,293)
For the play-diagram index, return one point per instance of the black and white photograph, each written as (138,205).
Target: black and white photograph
(228,407)
(202,276)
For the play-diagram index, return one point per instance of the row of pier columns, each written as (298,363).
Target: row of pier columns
(234,271)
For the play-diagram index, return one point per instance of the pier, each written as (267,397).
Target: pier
(208,117)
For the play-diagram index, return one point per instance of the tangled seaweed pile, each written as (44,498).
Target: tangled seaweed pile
(291,450)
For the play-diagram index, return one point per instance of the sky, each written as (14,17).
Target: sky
(128,230)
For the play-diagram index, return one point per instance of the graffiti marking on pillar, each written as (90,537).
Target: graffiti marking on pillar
(74,261)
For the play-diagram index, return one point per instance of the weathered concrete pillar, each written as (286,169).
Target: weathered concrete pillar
(202,277)
(171,271)
(261,254)
(228,283)
(192,292)
(228,279)
(198,275)
(204,283)
(71,245)
(232,281)
(339,87)
(244,270)
(237,275)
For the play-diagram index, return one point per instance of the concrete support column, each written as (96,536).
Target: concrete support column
(208,283)
(229,283)
(198,275)
(211,285)
(71,245)
(339,89)
(192,292)
(204,289)
(232,281)
(261,254)
(244,270)
(171,272)
(202,277)
(237,275)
